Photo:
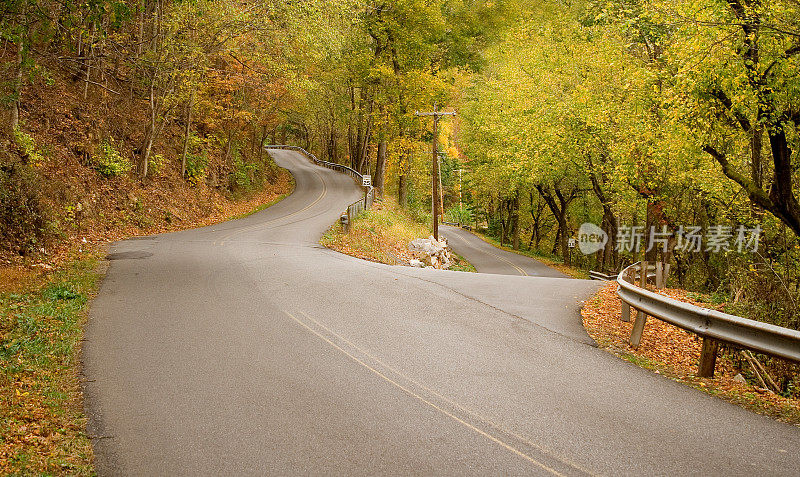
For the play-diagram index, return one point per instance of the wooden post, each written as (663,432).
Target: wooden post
(435,185)
(436,199)
(641,318)
(708,358)
(638,329)
(626,312)
(659,275)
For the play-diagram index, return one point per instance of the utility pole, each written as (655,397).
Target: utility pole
(459,190)
(435,179)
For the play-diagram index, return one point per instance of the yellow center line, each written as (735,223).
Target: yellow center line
(264,224)
(413,394)
(521,271)
(449,401)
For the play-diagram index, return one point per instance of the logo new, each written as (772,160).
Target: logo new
(591,238)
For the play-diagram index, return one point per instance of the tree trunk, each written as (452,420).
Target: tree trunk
(88,55)
(402,190)
(186,132)
(18,81)
(786,206)
(380,167)
(609,256)
(562,225)
(556,241)
(756,167)
(515,220)
(650,255)
(151,131)
(558,203)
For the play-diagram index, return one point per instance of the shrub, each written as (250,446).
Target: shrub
(196,167)
(459,214)
(245,174)
(23,224)
(28,145)
(108,161)
(156,164)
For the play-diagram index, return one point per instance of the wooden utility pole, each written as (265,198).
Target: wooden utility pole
(435,179)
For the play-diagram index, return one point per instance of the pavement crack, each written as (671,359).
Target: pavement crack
(472,298)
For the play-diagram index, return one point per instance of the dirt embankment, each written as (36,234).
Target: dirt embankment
(51,165)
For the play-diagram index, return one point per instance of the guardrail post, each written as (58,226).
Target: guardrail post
(708,358)
(638,329)
(643,274)
(626,312)
(713,326)
(641,318)
(659,275)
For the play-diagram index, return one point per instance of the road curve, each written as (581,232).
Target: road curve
(246,348)
(489,259)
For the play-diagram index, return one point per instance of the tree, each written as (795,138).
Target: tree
(741,87)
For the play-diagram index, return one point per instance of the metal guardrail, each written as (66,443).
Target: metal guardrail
(356,207)
(594,275)
(712,325)
(458,224)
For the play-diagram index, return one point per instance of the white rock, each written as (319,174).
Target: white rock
(416,263)
(740,379)
(431,251)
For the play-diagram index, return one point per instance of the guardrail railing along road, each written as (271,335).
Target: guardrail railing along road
(365,182)
(712,325)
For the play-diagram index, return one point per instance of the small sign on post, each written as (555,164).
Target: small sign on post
(571,243)
(366,180)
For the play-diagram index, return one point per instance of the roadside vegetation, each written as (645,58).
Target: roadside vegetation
(42,424)
(674,353)
(382,234)
(661,122)
(42,313)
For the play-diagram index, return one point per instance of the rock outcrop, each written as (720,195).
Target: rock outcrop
(430,252)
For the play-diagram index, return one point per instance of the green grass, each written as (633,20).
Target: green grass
(460,264)
(42,430)
(382,234)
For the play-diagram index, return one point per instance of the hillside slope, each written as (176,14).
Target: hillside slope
(66,176)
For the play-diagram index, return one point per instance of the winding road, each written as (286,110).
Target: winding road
(489,259)
(245,348)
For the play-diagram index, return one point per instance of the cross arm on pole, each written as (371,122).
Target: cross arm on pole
(436,113)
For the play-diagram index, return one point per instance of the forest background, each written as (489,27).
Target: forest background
(679,117)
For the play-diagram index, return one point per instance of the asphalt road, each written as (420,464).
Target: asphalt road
(247,349)
(489,259)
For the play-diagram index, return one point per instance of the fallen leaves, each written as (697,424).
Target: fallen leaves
(379,235)
(673,352)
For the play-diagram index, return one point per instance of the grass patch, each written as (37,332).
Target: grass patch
(382,234)
(460,264)
(42,430)
(551,261)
